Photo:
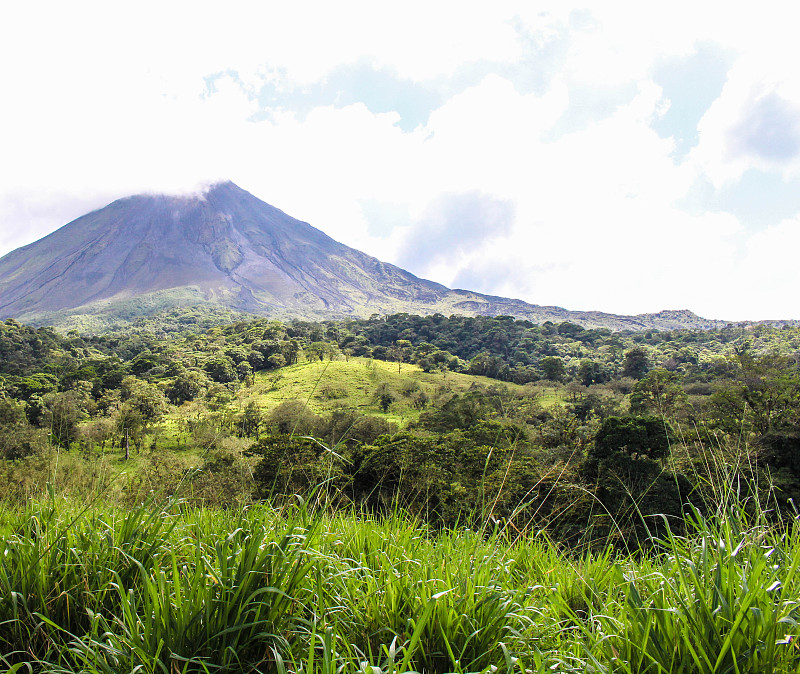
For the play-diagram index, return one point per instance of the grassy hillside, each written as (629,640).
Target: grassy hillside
(356,383)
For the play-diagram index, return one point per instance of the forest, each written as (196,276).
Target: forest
(531,446)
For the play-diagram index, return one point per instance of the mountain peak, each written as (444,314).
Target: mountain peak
(225,247)
(222,186)
(196,192)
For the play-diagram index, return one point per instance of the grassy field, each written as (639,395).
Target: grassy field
(165,588)
(356,383)
(330,385)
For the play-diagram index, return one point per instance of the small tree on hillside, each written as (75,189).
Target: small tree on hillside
(385,400)
(400,352)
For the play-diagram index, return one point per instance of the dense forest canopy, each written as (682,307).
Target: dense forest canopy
(587,421)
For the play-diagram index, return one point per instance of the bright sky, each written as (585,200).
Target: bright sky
(617,156)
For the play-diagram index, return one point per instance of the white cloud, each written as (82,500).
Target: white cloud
(768,272)
(596,224)
(737,123)
(104,100)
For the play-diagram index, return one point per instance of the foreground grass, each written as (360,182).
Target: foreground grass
(163,588)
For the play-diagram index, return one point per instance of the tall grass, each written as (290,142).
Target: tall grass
(165,588)
(722,599)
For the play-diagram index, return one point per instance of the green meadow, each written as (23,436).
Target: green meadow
(329,385)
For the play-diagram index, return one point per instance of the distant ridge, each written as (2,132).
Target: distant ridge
(227,248)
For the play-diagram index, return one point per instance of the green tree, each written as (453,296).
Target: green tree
(295,465)
(244,371)
(385,401)
(400,352)
(487,365)
(221,369)
(316,351)
(659,392)
(290,349)
(251,421)
(402,468)
(630,482)
(62,413)
(591,372)
(640,436)
(276,361)
(187,386)
(635,364)
(553,368)
(130,425)
(293,417)
(762,397)
(18,438)
(145,398)
(143,406)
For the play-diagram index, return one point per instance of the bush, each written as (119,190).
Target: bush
(291,465)
(636,436)
(294,417)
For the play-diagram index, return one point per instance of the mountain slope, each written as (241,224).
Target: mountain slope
(229,248)
(229,245)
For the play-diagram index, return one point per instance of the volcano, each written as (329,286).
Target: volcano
(227,248)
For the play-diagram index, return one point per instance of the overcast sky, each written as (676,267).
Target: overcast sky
(625,157)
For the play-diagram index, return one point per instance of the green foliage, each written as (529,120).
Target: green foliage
(778,457)
(25,350)
(460,411)
(659,392)
(144,398)
(221,369)
(81,392)
(636,436)
(294,417)
(629,481)
(385,400)
(553,368)
(761,396)
(721,601)
(62,412)
(187,386)
(276,360)
(18,439)
(251,421)
(293,465)
(635,364)
(401,466)
(592,372)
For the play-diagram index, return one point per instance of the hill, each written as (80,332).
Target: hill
(226,248)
